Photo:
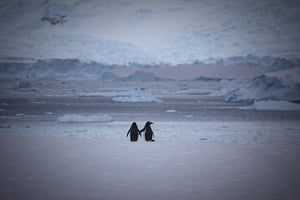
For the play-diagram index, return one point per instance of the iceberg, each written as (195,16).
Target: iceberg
(273,86)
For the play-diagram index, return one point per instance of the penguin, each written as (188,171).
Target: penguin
(134,132)
(148,132)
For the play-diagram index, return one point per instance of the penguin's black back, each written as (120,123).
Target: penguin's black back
(134,132)
(148,132)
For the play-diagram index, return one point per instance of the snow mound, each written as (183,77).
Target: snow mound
(81,118)
(280,86)
(272,105)
(137,95)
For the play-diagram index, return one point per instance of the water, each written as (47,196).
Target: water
(194,118)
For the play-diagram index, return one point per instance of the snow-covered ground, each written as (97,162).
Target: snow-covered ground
(207,149)
(69,168)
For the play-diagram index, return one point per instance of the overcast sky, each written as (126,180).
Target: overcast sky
(156,30)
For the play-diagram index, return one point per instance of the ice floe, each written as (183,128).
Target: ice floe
(82,118)
(137,95)
(171,111)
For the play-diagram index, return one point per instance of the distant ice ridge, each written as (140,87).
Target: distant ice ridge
(272,105)
(54,68)
(12,67)
(281,85)
(137,95)
(70,68)
(81,118)
(263,63)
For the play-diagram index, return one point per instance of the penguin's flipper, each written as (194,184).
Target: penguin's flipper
(142,130)
(128,132)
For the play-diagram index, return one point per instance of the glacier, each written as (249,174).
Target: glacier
(120,32)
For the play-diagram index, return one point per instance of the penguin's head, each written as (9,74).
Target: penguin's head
(149,123)
(134,124)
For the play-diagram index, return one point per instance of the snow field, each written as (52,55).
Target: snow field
(69,168)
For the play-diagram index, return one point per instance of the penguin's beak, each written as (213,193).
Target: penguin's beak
(151,123)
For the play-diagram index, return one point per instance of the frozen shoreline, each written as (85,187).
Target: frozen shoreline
(34,167)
